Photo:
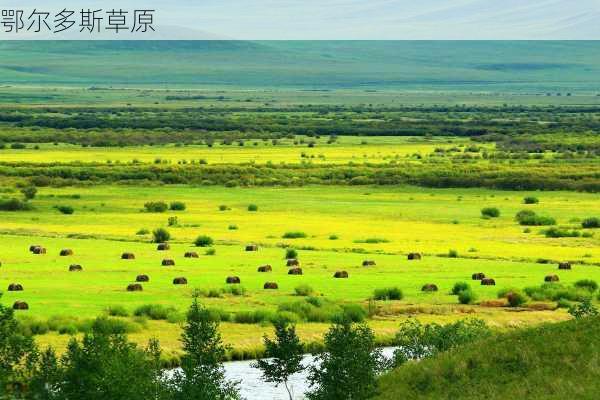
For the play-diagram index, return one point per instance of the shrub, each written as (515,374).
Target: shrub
(173,221)
(156,206)
(142,231)
(531,200)
(211,252)
(354,312)
(235,290)
(68,210)
(490,212)
(516,298)
(583,310)
(294,235)
(590,223)
(233,227)
(177,206)
(390,293)
(561,233)
(161,235)
(153,311)
(223,207)
(466,296)
(304,290)
(530,218)
(117,311)
(254,317)
(113,326)
(14,205)
(333,237)
(291,253)
(452,253)
(556,292)
(459,287)
(587,284)
(252,207)
(29,192)
(203,241)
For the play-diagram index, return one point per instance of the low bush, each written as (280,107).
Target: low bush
(161,235)
(516,298)
(203,241)
(590,223)
(142,231)
(177,206)
(156,206)
(210,252)
(14,205)
(291,253)
(587,284)
(390,293)
(304,290)
(459,287)
(294,235)
(530,218)
(466,296)
(68,210)
(490,212)
(252,208)
(531,200)
(223,207)
(333,237)
(254,317)
(354,312)
(233,227)
(561,233)
(556,292)
(154,311)
(117,311)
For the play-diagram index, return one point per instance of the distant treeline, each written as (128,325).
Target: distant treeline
(578,176)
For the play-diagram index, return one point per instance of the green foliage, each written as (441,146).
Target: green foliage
(156,206)
(467,296)
(294,235)
(304,290)
(161,235)
(154,311)
(291,253)
(177,206)
(210,252)
(556,292)
(142,232)
(68,210)
(348,366)
(460,287)
(561,233)
(173,221)
(531,200)
(416,341)
(117,311)
(203,241)
(389,293)
(530,218)
(282,357)
(14,205)
(587,284)
(516,298)
(584,309)
(252,208)
(29,192)
(591,223)
(490,212)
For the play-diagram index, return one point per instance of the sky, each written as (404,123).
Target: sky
(343,19)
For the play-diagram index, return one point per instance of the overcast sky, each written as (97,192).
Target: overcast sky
(354,19)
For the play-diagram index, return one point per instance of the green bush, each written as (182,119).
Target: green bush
(252,208)
(303,290)
(531,200)
(590,223)
(452,253)
(203,241)
(223,207)
(254,317)
(530,218)
(235,290)
(117,311)
(173,221)
(490,212)
(153,311)
(68,210)
(294,235)
(556,292)
(233,227)
(177,206)
(291,253)
(210,252)
(354,312)
(161,235)
(516,298)
(333,237)
(156,206)
(459,287)
(390,293)
(14,205)
(113,326)
(587,284)
(142,231)
(466,296)
(561,233)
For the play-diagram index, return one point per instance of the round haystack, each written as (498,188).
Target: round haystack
(39,250)
(265,268)
(271,285)
(20,305)
(292,262)
(564,265)
(168,262)
(134,287)
(142,278)
(180,281)
(430,287)
(478,276)
(66,252)
(551,278)
(75,268)
(251,247)
(341,275)
(233,280)
(15,287)
(414,256)
(191,254)
(488,282)
(295,271)
(163,247)
(33,246)
(127,256)
(368,263)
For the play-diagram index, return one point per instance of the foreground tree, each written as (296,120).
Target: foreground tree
(202,375)
(348,368)
(16,352)
(283,356)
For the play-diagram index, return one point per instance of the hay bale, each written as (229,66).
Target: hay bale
(127,256)
(252,247)
(15,287)
(191,254)
(368,263)
(551,278)
(135,287)
(39,250)
(478,276)
(271,285)
(488,282)
(233,280)
(564,265)
(20,305)
(430,287)
(163,247)
(168,262)
(414,256)
(66,252)
(33,246)
(295,271)
(180,281)
(341,275)
(292,262)
(75,268)
(265,268)
(142,278)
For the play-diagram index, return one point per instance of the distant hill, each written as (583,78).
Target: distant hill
(420,65)
(551,362)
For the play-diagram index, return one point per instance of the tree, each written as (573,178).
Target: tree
(29,192)
(161,235)
(283,356)
(202,375)
(15,351)
(348,368)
